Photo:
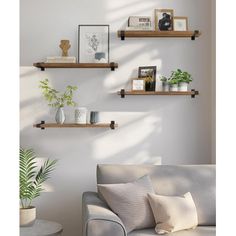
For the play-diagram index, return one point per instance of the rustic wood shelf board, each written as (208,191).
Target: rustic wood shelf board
(44,125)
(43,65)
(155,34)
(191,93)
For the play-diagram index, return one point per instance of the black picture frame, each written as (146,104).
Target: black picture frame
(79,41)
(149,86)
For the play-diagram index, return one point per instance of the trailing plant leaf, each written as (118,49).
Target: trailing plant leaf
(54,97)
(31,180)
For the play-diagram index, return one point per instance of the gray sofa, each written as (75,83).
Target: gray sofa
(99,220)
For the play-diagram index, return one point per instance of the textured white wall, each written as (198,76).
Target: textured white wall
(177,129)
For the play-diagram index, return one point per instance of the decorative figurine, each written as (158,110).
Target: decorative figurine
(65,46)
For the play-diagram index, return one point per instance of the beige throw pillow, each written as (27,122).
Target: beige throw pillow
(173,213)
(129,201)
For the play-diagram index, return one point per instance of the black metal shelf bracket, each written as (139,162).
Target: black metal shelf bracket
(40,125)
(194,93)
(122,35)
(112,125)
(195,33)
(113,66)
(122,93)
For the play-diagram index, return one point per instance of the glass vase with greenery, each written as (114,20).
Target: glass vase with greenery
(57,99)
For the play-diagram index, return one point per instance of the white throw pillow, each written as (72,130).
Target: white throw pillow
(129,201)
(173,213)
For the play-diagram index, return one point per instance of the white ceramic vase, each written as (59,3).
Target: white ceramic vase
(174,87)
(183,86)
(27,216)
(60,116)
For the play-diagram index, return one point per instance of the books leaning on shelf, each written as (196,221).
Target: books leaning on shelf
(139,28)
(61,60)
(139,23)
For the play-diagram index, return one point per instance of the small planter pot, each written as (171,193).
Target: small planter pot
(27,216)
(183,86)
(60,116)
(165,87)
(174,87)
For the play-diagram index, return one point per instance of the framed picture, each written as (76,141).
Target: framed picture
(164,19)
(138,84)
(180,23)
(94,43)
(148,73)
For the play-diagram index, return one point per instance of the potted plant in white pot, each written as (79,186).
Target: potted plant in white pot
(31,182)
(181,79)
(165,84)
(57,99)
(173,83)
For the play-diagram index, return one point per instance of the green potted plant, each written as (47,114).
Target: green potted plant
(165,85)
(57,99)
(31,182)
(179,80)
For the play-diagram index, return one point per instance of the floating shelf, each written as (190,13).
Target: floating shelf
(44,125)
(43,65)
(155,34)
(191,93)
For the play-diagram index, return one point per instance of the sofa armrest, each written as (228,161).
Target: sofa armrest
(98,219)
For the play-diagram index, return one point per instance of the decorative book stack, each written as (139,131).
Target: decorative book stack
(139,23)
(58,59)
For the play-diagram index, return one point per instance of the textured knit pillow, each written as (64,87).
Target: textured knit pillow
(173,213)
(129,201)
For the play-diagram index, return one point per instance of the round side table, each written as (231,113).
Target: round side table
(42,228)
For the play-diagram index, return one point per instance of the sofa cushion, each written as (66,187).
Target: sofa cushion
(199,231)
(173,213)
(129,201)
(171,180)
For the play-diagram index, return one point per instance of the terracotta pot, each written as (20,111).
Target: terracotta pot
(27,216)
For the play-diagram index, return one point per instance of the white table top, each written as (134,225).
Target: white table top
(42,228)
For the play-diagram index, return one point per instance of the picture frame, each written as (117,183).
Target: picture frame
(164,19)
(93,43)
(148,73)
(138,84)
(180,23)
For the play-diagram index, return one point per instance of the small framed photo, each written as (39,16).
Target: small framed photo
(164,19)
(180,23)
(148,73)
(138,84)
(93,44)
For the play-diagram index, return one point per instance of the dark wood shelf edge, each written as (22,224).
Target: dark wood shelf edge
(44,65)
(191,93)
(43,125)
(156,34)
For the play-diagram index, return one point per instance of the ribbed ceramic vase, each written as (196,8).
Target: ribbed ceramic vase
(60,116)
(27,216)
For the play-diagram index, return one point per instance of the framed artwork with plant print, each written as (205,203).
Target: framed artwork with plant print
(94,42)
(148,73)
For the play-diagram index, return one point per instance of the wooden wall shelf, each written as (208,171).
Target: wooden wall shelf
(44,125)
(191,93)
(155,34)
(43,65)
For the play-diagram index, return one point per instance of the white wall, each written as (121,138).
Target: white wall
(177,129)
